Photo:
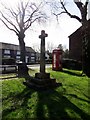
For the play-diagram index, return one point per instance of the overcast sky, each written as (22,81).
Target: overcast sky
(57,32)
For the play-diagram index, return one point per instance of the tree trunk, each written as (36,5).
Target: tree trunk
(87,54)
(88,58)
(22,47)
(85,48)
(22,51)
(22,67)
(85,37)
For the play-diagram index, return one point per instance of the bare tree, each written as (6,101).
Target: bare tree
(50,47)
(85,33)
(19,20)
(60,46)
(36,47)
(61,5)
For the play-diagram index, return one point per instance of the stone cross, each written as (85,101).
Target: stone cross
(42,54)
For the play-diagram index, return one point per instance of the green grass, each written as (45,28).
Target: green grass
(69,101)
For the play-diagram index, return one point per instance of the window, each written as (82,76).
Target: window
(6,51)
(18,52)
(32,54)
(27,59)
(32,59)
(18,58)
(7,56)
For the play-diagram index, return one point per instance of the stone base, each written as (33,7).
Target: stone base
(42,84)
(42,75)
(22,70)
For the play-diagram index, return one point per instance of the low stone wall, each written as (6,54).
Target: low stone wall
(8,69)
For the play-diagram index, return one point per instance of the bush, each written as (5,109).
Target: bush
(8,61)
(48,61)
(71,64)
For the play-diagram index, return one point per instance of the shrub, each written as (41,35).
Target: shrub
(71,64)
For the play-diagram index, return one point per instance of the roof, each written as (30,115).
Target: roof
(13,47)
(74,33)
(78,30)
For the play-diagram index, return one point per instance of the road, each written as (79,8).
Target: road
(38,66)
(8,68)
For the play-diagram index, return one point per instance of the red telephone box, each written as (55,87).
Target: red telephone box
(57,58)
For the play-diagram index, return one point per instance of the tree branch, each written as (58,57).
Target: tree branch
(8,26)
(34,11)
(24,16)
(58,14)
(72,16)
(9,22)
(83,9)
(86,3)
(31,23)
(29,19)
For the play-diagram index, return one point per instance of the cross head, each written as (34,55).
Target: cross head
(43,34)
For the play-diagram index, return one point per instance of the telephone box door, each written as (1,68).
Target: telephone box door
(56,63)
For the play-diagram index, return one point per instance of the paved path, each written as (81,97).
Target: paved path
(35,66)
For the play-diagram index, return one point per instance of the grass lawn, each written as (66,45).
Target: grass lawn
(69,101)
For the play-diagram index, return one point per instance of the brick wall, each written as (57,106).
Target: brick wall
(75,44)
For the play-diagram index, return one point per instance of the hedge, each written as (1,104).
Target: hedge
(8,61)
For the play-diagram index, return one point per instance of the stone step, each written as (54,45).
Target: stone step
(41,87)
(42,75)
(43,81)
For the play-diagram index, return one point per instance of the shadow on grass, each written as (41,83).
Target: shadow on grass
(88,96)
(19,102)
(72,73)
(75,96)
(57,107)
(51,104)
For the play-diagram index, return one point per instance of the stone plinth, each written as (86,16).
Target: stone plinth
(42,81)
(42,84)
(42,75)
